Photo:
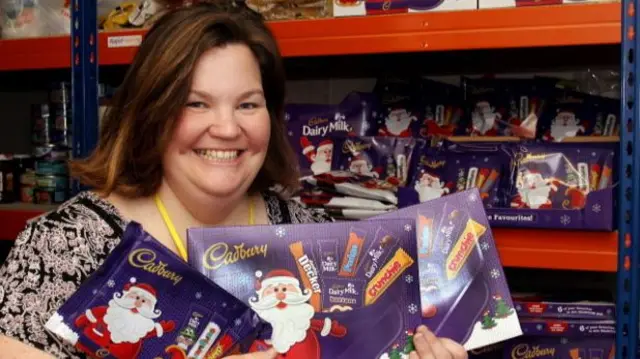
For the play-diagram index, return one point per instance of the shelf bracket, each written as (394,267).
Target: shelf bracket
(628,191)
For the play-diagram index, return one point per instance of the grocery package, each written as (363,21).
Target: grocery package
(34,18)
(355,185)
(312,128)
(464,294)
(331,290)
(376,7)
(291,9)
(546,306)
(145,302)
(543,347)
(503,107)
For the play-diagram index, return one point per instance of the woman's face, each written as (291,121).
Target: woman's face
(222,135)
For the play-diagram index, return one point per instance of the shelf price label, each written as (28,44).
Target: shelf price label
(124,41)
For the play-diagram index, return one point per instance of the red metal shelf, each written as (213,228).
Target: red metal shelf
(13,218)
(557,249)
(584,24)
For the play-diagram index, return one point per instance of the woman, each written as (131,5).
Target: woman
(195,137)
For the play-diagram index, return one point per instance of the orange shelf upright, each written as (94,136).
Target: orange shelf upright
(535,26)
(557,249)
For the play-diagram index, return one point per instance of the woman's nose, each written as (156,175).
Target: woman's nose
(224,124)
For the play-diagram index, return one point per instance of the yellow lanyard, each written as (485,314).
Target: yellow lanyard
(177,240)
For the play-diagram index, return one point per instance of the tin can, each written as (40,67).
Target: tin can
(41,124)
(49,195)
(59,127)
(27,186)
(7,185)
(51,167)
(52,181)
(60,92)
(24,164)
(52,152)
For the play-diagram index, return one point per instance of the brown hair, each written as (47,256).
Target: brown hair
(141,119)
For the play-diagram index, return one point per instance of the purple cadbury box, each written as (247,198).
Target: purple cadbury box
(527,347)
(169,311)
(577,310)
(332,290)
(463,290)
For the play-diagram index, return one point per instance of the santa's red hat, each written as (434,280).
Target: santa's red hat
(325,144)
(306,145)
(141,287)
(276,276)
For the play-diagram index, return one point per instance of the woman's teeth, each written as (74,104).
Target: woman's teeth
(218,155)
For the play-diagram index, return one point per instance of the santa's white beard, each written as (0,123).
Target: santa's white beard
(536,197)
(427,193)
(396,127)
(321,164)
(125,325)
(289,324)
(559,132)
(483,122)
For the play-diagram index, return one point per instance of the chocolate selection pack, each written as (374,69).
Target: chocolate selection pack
(145,302)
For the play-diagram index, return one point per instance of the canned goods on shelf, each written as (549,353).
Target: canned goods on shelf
(50,167)
(59,128)
(41,124)
(7,186)
(49,195)
(52,152)
(27,186)
(52,181)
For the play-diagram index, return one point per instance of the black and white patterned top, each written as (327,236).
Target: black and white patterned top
(59,250)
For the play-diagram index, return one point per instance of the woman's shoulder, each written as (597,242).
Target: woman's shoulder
(284,210)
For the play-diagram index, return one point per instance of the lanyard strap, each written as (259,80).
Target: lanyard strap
(177,240)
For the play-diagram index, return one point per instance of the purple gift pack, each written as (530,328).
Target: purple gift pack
(145,302)
(561,186)
(312,128)
(527,347)
(577,310)
(568,327)
(464,294)
(385,158)
(320,286)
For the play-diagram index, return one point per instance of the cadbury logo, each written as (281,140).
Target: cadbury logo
(384,279)
(145,259)
(431,164)
(318,121)
(219,254)
(531,157)
(322,131)
(354,147)
(524,351)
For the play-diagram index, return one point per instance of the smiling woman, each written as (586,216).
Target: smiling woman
(195,137)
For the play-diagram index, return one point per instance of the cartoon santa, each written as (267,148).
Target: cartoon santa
(120,328)
(397,123)
(484,119)
(534,192)
(321,157)
(282,303)
(564,125)
(430,187)
(359,165)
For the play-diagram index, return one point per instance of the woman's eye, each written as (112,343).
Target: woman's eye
(196,104)
(248,105)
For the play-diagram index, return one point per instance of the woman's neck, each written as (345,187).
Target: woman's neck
(199,210)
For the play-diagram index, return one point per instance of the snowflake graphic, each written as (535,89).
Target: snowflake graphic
(111,283)
(95,291)
(473,198)
(198,295)
(564,340)
(486,159)
(518,307)
(596,208)
(485,246)
(539,326)
(287,116)
(593,154)
(412,308)
(280,232)
(408,278)
(365,125)
(565,220)
(495,274)
(290,133)
(408,227)
(237,322)
(224,304)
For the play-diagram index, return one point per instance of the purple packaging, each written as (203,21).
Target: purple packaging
(353,184)
(401,115)
(574,114)
(463,290)
(568,327)
(561,175)
(385,158)
(310,283)
(312,128)
(559,348)
(145,302)
(442,107)
(575,310)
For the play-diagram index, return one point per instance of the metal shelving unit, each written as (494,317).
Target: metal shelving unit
(85,119)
